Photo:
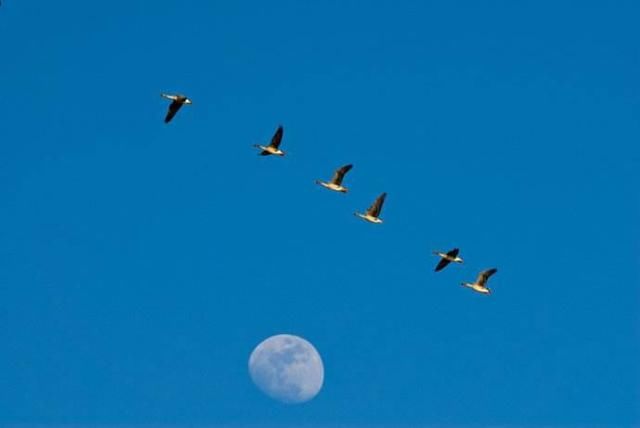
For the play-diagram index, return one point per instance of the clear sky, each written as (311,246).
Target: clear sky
(140,263)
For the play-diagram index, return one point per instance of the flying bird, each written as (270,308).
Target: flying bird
(481,282)
(373,212)
(177,101)
(336,181)
(273,147)
(446,258)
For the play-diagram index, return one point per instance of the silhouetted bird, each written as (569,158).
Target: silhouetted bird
(177,101)
(446,258)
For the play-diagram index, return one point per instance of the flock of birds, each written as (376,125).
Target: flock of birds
(372,214)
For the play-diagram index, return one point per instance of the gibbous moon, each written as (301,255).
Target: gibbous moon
(287,368)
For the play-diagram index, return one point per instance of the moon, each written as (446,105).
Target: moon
(287,368)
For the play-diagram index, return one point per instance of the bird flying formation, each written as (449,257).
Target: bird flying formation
(371,215)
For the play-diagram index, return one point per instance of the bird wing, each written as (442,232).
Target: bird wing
(173,109)
(442,264)
(376,207)
(277,137)
(453,253)
(338,176)
(484,276)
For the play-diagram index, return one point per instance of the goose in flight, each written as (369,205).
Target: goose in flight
(481,282)
(336,181)
(446,258)
(273,147)
(177,101)
(373,212)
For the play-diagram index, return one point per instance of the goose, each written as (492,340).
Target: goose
(373,212)
(336,181)
(481,281)
(273,147)
(177,101)
(446,258)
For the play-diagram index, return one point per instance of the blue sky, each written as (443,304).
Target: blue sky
(140,263)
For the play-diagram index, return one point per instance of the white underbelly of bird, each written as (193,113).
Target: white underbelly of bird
(271,150)
(369,218)
(478,288)
(334,187)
